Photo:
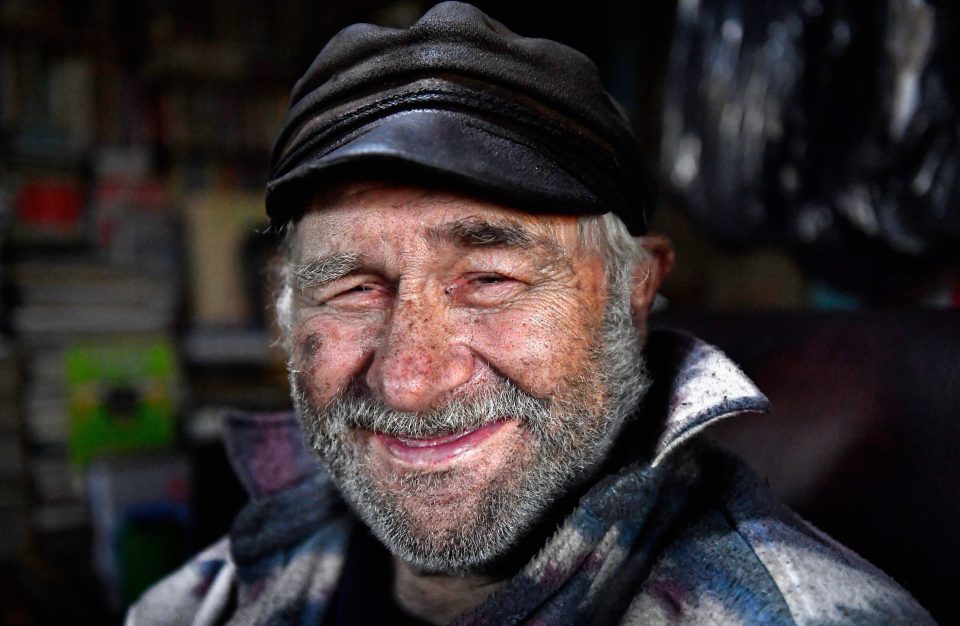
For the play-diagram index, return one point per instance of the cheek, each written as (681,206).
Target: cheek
(536,349)
(328,356)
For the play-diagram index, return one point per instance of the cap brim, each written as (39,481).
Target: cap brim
(442,147)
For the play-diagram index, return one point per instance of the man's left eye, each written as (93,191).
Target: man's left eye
(487,289)
(488,279)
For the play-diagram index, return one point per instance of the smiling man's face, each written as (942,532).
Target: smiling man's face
(457,365)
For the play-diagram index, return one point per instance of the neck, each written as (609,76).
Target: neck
(439,598)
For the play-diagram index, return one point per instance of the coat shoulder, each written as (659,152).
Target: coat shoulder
(747,558)
(821,580)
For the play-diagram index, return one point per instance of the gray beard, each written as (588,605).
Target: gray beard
(568,437)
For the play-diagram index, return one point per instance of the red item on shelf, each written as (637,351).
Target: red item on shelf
(50,205)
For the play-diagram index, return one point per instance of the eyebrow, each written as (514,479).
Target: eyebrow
(480,233)
(325,269)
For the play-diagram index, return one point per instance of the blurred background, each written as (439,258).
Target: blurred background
(808,155)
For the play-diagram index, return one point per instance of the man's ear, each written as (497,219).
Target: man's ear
(649,272)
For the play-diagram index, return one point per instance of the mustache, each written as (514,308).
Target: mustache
(360,408)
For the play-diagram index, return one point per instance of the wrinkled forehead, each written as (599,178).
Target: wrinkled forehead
(376,214)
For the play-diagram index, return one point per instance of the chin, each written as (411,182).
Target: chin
(451,531)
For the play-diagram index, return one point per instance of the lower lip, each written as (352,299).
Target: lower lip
(437,450)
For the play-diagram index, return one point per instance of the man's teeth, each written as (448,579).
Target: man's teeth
(434,441)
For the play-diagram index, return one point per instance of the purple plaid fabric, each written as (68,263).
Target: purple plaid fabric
(682,534)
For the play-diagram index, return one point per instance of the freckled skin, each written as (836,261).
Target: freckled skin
(419,344)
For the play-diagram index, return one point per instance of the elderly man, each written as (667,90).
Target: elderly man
(501,439)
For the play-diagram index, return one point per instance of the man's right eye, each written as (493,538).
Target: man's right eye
(362,294)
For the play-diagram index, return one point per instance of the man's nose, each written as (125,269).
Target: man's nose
(419,361)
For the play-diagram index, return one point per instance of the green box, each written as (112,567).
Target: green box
(121,397)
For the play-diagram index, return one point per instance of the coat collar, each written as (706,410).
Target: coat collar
(700,386)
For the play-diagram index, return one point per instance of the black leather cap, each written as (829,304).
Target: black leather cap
(459,100)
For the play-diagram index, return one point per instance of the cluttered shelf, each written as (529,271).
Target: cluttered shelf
(123,164)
